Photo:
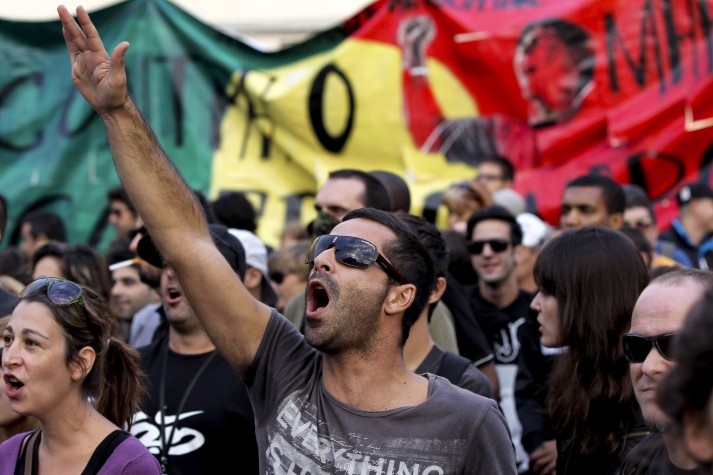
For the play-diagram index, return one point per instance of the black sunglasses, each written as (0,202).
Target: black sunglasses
(353,252)
(279,276)
(497,245)
(61,292)
(637,347)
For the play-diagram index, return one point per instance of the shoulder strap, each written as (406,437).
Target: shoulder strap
(27,458)
(104,450)
(452,367)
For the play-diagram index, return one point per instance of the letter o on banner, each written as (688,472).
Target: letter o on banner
(331,143)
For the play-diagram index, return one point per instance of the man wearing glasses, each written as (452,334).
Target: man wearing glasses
(500,306)
(340,400)
(660,312)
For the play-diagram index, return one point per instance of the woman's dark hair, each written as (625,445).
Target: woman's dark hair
(596,276)
(116,380)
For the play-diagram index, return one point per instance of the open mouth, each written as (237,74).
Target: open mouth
(173,294)
(13,382)
(317,298)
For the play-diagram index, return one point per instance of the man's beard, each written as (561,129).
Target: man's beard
(350,328)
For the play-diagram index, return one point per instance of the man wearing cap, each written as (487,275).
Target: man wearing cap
(196,416)
(256,278)
(691,232)
(340,399)
(660,312)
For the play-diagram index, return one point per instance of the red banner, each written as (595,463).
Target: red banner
(562,88)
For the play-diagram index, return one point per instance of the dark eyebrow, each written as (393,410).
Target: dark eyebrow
(27,331)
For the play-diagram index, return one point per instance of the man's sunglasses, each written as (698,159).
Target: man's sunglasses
(353,252)
(640,225)
(497,245)
(637,347)
(60,292)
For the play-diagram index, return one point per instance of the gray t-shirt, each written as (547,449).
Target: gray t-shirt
(301,428)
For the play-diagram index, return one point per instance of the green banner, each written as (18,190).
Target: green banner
(53,149)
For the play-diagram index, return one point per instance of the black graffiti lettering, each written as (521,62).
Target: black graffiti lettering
(170,82)
(315,106)
(673,38)
(64,124)
(18,86)
(706,27)
(649,35)
(655,172)
(256,109)
(293,204)
(402,5)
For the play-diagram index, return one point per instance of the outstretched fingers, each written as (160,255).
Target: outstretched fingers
(73,35)
(92,39)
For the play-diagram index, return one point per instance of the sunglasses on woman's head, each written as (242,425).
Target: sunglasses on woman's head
(60,292)
(353,252)
(637,347)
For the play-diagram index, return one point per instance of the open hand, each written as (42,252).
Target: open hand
(100,78)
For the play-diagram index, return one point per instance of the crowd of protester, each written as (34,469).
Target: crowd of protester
(583,347)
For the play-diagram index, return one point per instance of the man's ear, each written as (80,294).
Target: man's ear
(698,436)
(439,287)
(80,369)
(616,220)
(253,278)
(399,298)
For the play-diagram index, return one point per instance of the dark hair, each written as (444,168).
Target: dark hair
(432,240)
(116,380)
(640,242)
(47,223)
(635,196)
(612,192)
(573,37)
(688,385)
(375,194)
(234,210)
(498,213)
(119,251)
(506,166)
(398,190)
(16,264)
(596,276)
(120,194)
(408,256)
(79,263)
(435,244)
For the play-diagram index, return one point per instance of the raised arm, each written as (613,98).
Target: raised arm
(234,320)
(423,115)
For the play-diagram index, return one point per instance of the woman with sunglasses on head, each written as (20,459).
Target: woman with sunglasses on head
(61,366)
(589,280)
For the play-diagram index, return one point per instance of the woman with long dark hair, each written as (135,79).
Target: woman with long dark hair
(589,280)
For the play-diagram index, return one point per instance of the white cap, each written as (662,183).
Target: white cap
(534,231)
(255,250)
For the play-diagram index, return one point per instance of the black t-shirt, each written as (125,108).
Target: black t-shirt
(215,430)
(650,457)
